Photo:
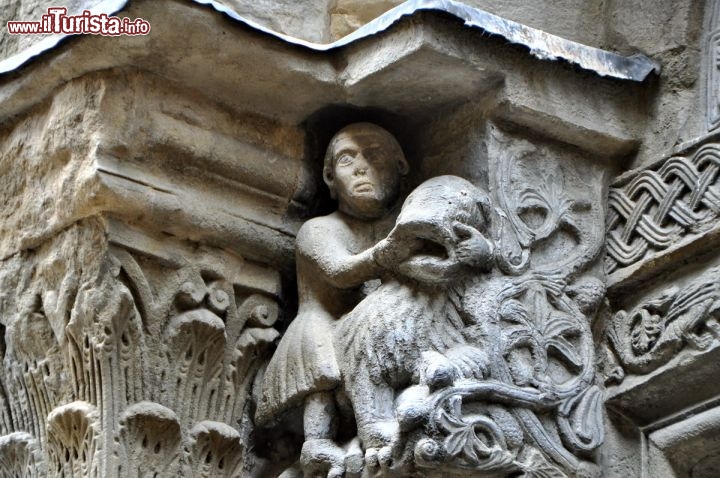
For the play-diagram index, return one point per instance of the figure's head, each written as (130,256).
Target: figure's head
(363,167)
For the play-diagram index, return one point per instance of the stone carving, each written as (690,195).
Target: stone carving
(543,226)
(660,205)
(19,456)
(336,254)
(74,431)
(151,436)
(713,82)
(656,330)
(465,357)
(130,366)
(152,195)
(712,77)
(215,450)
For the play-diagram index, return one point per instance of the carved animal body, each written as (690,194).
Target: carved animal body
(388,331)
(385,335)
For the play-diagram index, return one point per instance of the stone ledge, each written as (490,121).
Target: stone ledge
(544,46)
(646,399)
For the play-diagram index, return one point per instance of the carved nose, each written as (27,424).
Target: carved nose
(360,171)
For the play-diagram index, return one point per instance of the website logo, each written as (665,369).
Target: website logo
(57,21)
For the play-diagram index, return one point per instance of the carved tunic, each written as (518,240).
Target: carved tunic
(305,360)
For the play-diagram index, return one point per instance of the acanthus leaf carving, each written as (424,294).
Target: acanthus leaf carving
(89,366)
(74,440)
(151,437)
(214,450)
(20,456)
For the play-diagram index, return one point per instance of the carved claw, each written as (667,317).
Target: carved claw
(615,376)
(471,362)
(700,342)
(696,316)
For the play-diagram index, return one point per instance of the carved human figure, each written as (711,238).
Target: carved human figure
(336,255)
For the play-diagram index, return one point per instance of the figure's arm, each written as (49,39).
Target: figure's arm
(345,271)
(342,269)
(426,268)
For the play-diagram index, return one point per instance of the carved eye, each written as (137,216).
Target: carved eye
(345,160)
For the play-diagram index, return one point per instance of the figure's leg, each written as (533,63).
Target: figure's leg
(321,456)
(378,429)
(373,407)
(320,416)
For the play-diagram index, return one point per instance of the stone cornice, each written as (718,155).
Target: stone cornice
(542,45)
(425,64)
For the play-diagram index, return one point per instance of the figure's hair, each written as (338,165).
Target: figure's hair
(329,161)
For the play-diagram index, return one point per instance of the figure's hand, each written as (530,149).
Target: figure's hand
(392,251)
(386,253)
(473,248)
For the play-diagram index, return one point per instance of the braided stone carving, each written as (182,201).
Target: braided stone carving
(660,205)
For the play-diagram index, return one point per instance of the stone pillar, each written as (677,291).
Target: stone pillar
(142,247)
(662,336)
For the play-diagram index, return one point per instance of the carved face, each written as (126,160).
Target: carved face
(366,168)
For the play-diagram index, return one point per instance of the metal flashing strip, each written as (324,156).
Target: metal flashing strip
(542,45)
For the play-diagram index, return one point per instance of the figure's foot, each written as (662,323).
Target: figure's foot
(378,460)
(381,441)
(354,459)
(322,458)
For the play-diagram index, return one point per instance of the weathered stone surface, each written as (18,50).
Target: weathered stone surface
(574,19)
(441,338)
(81,166)
(309,19)
(519,278)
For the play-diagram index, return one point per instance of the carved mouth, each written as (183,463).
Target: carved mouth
(363,187)
(432,248)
